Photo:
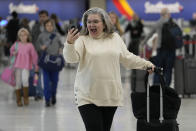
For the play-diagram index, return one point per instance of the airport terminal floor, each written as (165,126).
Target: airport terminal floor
(65,116)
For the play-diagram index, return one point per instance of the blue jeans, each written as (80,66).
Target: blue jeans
(50,84)
(39,90)
(164,59)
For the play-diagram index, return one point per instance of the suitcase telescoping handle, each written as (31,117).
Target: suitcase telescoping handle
(160,72)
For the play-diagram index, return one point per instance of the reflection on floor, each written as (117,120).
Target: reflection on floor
(65,117)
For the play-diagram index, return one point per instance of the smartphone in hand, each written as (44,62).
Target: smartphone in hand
(72,34)
(75,27)
(72,26)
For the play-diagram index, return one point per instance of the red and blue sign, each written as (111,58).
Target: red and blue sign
(150,9)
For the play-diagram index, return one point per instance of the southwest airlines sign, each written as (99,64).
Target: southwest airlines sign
(156,8)
(23,9)
(150,9)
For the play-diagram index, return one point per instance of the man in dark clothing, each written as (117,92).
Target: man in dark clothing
(165,57)
(11,31)
(136,29)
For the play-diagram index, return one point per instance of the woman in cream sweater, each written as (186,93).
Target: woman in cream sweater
(99,52)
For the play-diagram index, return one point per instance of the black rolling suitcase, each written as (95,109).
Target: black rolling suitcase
(162,117)
(165,125)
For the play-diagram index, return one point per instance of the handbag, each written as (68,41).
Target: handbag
(8,74)
(51,62)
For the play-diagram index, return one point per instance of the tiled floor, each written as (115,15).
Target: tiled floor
(65,116)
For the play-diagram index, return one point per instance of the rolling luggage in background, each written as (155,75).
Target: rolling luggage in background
(179,76)
(189,76)
(185,69)
(156,109)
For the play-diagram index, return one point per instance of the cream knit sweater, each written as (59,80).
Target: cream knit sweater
(98,79)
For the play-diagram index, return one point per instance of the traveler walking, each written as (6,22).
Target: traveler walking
(26,58)
(49,42)
(135,27)
(11,32)
(165,56)
(37,29)
(99,51)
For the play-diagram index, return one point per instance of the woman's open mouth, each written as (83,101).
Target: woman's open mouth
(94,31)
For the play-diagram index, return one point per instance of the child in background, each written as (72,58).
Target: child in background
(49,42)
(26,57)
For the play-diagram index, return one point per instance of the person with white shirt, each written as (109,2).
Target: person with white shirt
(99,52)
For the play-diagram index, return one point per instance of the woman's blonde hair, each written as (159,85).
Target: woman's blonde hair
(117,24)
(27,32)
(105,19)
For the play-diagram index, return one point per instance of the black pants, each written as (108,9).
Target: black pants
(97,118)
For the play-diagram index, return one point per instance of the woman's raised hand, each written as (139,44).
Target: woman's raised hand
(72,35)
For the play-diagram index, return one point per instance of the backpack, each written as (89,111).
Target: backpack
(172,37)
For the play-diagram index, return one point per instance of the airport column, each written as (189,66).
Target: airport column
(97,3)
